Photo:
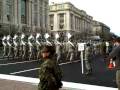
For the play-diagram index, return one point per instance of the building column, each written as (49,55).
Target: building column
(43,16)
(73,22)
(15,11)
(19,11)
(1,21)
(29,13)
(67,21)
(56,20)
(3,11)
(38,22)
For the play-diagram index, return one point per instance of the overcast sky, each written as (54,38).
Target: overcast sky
(106,11)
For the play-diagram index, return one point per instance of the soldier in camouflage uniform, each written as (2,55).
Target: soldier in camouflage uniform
(50,74)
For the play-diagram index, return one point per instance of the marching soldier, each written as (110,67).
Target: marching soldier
(31,42)
(47,41)
(23,46)
(16,43)
(87,58)
(4,42)
(9,42)
(38,45)
(70,49)
(58,46)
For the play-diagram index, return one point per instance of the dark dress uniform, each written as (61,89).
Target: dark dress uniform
(50,76)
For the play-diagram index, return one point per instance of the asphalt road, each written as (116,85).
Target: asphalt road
(72,72)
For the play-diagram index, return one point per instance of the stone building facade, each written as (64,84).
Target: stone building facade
(100,29)
(65,17)
(24,15)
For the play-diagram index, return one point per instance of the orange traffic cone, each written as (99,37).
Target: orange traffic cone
(111,66)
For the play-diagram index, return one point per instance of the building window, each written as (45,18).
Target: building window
(61,26)
(35,1)
(61,21)
(41,12)
(35,18)
(0,10)
(51,17)
(35,7)
(8,9)
(0,15)
(61,6)
(51,27)
(23,11)
(46,13)
(51,21)
(71,20)
(8,17)
(35,13)
(79,24)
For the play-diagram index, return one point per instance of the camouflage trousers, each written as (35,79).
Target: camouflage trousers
(118,79)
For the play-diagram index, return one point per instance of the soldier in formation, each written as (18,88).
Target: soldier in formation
(29,46)
(31,43)
(23,46)
(58,47)
(38,45)
(4,42)
(70,51)
(10,45)
(88,59)
(16,44)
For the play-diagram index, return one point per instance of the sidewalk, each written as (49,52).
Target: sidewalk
(17,85)
(9,82)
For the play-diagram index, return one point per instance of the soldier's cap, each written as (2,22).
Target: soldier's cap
(50,49)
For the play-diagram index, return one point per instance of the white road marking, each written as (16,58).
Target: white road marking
(24,71)
(17,63)
(69,62)
(38,68)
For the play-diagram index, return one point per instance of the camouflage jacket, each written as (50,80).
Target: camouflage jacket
(50,76)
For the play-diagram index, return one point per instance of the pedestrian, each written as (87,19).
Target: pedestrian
(115,54)
(50,74)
